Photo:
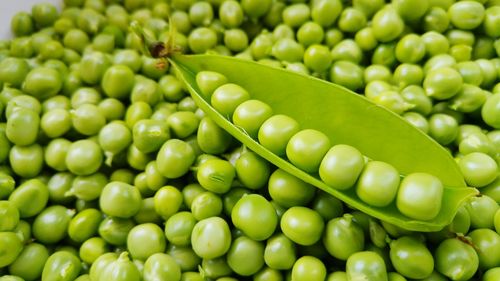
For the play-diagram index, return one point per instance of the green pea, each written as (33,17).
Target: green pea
(22,47)
(88,187)
(202,39)
(306,149)
(93,248)
(216,175)
(84,225)
(205,205)
(55,123)
(30,198)
(149,135)
(478,169)
(22,126)
(30,262)
(420,196)
(44,14)
(387,24)
(417,120)
(312,33)
(118,81)
(22,24)
(87,119)
(237,256)
(466,15)
(118,194)
(366,264)
(443,128)
(168,200)
(491,274)
(115,230)
(490,21)
(10,216)
(215,268)
(231,14)
(13,71)
(255,9)
(136,158)
(95,65)
(228,97)
(442,83)
(84,157)
(482,211)
(469,99)
(10,248)
(42,82)
(411,257)
(175,158)
(183,123)
(23,101)
(252,170)
(302,225)
(487,69)
(100,264)
(115,137)
(26,161)
(211,238)
(51,225)
(343,237)
(456,259)
(235,39)
(280,252)
(179,227)
(121,269)
(145,240)
(317,58)
(154,178)
(288,190)
(191,276)
(211,138)
(488,111)
(325,12)
(255,216)
(486,242)
(470,72)
(384,54)
(7,185)
(59,185)
(341,166)
(296,14)
(161,266)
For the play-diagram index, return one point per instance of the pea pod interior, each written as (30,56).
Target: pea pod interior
(346,118)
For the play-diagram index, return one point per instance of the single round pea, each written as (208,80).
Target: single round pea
(118,194)
(443,128)
(26,161)
(250,115)
(202,39)
(367,265)
(10,248)
(9,216)
(466,15)
(482,211)
(13,71)
(42,82)
(22,126)
(478,169)
(174,158)
(442,83)
(490,110)
(144,240)
(280,252)
(179,227)
(255,216)
(30,262)
(55,123)
(275,133)
(411,258)
(84,157)
(420,196)
(317,58)
(115,230)
(227,98)
(121,269)
(308,268)
(387,24)
(302,225)
(87,119)
(216,175)
(183,123)
(88,187)
(341,166)
(167,201)
(231,14)
(93,248)
(237,256)
(211,138)
(288,190)
(252,170)
(378,183)
(211,238)
(343,237)
(161,266)
(23,197)
(118,81)
(115,137)
(206,205)
(487,243)
(149,135)
(307,148)
(51,225)
(456,259)
(209,81)
(84,225)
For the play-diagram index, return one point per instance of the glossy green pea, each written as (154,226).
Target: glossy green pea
(252,170)
(366,264)
(100,264)
(84,225)
(341,166)
(461,52)
(146,90)
(308,268)
(442,83)
(343,237)
(317,58)
(168,200)
(215,268)
(56,102)
(325,12)
(387,24)
(460,37)
(338,276)
(489,109)
(268,274)
(51,225)
(469,98)
(420,196)
(154,179)
(55,123)
(255,216)
(87,119)
(228,97)
(118,81)
(231,14)
(201,13)
(149,135)
(478,168)
(22,126)
(482,211)
(470,72)
(491,274)
(408,74)
(351,20)
(384,54)
(136,158)
(9,216)
(22,47)
(92,248)
(88,187)
(202,39)
(302,225)
(121,269)
(7,185)
(161,266)
(30,198)
(411,258)
(30,262)
(26,161)
(44,14)
(280,252)
(487,69)
(118,194)
(115,137)
(11,278)
(435,43)
(216,175)
(23,101)
(179,227)
(237,256)
(443,128)
(191,276)
(376,73)
(466,15)
(296,14)
(209,81)
(255,9)
(436,19)
(409,10)
(174,158)
(103,43)
(51,50)
(10,247)
(232,197)
(378,183)
(84,157)
(42,82)
(115,230)
(13,71)
(22,24)
(365,39)
(184,256)
(59,185)
(212,231)
(211,138)
(487,243)
(76,39)
(492,190)
(287,49)
(282,31)
(456,259)
(183,123)
(417,120)
(95,65)
(205,205)
(187,104)
(145,240)
(235,39)
(306,149)
(490,21)
(312,33)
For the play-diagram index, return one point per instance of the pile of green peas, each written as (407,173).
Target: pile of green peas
(418,195)
(109,171)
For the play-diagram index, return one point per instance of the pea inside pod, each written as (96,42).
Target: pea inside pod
(352,119)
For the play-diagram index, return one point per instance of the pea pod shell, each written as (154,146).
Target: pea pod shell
(346,118)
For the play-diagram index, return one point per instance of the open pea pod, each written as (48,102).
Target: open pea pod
(346,118)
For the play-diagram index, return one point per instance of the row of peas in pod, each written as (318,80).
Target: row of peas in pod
(342,167)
